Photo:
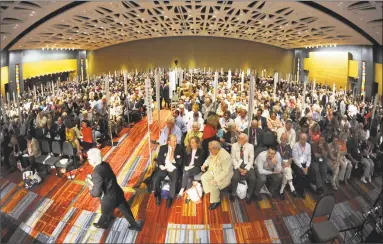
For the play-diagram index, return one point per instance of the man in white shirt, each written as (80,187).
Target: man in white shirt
(289,131)
(242,155)
(241,121)
(302,161)
(268,166)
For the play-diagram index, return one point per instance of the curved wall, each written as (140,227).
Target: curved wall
(191,52)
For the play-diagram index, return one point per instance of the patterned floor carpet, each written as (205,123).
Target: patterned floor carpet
(62,211)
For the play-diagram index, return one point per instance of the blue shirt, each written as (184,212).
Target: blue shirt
(165,132)
(181,124)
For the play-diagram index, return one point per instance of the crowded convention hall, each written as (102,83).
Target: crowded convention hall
(191,122)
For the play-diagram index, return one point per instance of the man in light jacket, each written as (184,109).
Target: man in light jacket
(219,173)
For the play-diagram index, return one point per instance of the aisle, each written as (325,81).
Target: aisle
(60,210)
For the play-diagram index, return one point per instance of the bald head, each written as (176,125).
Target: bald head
(303,138)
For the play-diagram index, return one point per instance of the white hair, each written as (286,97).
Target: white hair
(94,157)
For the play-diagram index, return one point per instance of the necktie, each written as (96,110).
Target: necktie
(241,154)
(254,137)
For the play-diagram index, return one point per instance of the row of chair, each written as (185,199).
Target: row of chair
(51,156)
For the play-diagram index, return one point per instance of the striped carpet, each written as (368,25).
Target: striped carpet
(62,211)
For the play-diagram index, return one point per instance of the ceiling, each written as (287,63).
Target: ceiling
(94,25)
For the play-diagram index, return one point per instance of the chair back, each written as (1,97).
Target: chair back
(324,206)
(68,149)
(56,147)
(45,147)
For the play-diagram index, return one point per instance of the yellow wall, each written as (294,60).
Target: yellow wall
(191,52)
(328,67)
(378,77)
(4,79)
(34,69)
(353,70)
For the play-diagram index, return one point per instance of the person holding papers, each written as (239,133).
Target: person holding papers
(169,161)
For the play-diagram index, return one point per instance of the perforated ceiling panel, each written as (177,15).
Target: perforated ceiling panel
(368,15)
(16,16)
(94,25)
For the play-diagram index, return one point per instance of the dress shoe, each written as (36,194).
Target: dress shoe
(135,227)
(187,200)
(294,193)
(158,201)
(232,198)
(248,200)
(149,188)
(100,226)
(169,202)
(214,205)
(282,196)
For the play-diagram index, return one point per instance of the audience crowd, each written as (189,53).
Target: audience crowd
(303,141)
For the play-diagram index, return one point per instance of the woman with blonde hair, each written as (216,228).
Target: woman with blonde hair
(192,163)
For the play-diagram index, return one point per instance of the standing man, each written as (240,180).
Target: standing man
(218,175)
(242,155)
(103,184)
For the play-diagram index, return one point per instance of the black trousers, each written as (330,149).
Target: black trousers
(300,179)
(188,177)
(160,176)
(107,207)
(250,179)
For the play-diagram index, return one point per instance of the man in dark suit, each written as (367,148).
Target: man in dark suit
(259,117)
(103,184)
(256,136)
(161,93)
(58,131)
(169,161)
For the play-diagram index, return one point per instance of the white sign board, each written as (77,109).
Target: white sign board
(148,101)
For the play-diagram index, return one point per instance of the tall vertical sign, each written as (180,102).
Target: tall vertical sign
(276,77)
(17,68)
(126,82)
(251,102)
(363,89)
(229,79)
(148,102)
(298,69)
(157,80)
(215,85)
(242,81)
(82,69)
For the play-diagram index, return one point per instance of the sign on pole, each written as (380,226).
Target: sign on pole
(229,79)
(275,84)
(251,102)
(158,99)
(172,83)
(215,85)
(148,102)
(126,83)
(304,96)
(242,81)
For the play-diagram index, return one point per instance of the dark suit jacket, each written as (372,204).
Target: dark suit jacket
(166,92)
(58,130)
(178,155)
(198,158)
(259,133)
(263,122)
(105,182)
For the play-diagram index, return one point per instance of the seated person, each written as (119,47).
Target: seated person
(273,123)
(71,137)
(302,161)
(170,129)
(230,137)
(218,174)
(256,133)
(287,157)
(194,132)
(58,131)
(366,147)
(268,166)
(242,155)
(33,151)
(169,162)
(345,164)
(192,163)
(225,120)
(354,150)
(319,164)
(87,137)
(98,128)
(241,120)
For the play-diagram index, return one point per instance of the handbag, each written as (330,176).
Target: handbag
(195,192)
(165,190)
(242,189)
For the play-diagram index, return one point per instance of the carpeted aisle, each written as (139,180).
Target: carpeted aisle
(60,210)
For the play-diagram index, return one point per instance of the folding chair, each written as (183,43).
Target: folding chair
(68,152)
(324,230)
